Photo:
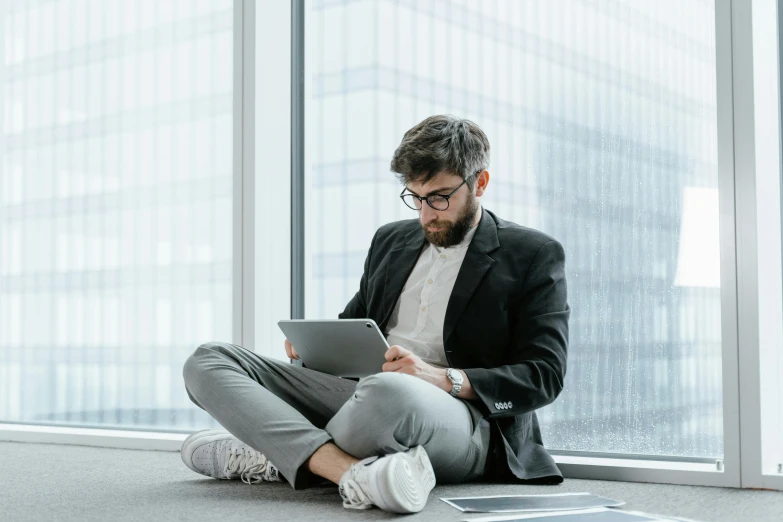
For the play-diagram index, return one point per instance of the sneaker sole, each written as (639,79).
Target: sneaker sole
(419,455)
(195,440)
(411,481)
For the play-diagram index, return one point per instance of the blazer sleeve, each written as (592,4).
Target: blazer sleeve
(534,377)
(357,306)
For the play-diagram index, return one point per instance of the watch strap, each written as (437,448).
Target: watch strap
(455,386)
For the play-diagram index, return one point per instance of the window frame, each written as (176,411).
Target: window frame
(750,321)
(739,275)
(726,472)
(244,292)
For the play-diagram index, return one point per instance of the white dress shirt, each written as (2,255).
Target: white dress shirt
(417,320)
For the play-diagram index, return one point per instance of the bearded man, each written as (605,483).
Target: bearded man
(475,312)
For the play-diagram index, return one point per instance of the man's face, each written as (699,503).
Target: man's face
(445,228)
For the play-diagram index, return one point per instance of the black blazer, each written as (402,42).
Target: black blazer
(506,327)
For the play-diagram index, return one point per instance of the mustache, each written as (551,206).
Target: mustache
(437,223)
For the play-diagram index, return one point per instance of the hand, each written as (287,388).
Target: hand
(289,350)
(403,361)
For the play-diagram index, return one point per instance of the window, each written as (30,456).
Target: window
(769,399)
(146,206)
(602,120)
(115,207)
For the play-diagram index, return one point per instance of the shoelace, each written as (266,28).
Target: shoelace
(249,463)
(353,495)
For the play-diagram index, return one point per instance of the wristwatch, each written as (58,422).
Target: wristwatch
(456,380)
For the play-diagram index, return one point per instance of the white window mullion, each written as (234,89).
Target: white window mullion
(760,292)
(271,144)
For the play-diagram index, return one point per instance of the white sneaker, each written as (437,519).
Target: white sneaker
(400,482)
(218,454)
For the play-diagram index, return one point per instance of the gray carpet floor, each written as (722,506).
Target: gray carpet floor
(59,482)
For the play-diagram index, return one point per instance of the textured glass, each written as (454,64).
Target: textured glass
(115,207)
(602,120)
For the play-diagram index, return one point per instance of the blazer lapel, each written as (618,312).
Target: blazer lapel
(402,260)
(474,267)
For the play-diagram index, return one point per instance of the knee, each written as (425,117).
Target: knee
(389,409)
(209,347)
(393,393)
(386,383)
(193,369)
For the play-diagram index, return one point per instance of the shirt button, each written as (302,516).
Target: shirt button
(423,308)
(429,281)
(443,256)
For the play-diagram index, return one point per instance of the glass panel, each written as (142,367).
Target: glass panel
(766,97)
(602,120)
(115,207)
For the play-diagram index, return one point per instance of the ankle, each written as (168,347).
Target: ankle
(330,462)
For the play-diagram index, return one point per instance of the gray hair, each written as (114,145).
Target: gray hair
(441,143)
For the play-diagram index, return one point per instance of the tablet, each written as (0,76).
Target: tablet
(342,347)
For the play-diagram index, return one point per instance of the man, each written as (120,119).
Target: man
(475,311)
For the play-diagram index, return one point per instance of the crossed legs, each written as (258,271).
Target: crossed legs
(311,424)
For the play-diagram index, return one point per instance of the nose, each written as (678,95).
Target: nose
(427,214)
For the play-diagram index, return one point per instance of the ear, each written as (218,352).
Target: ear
(481,183)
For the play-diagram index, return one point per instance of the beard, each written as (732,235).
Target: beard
(451,234)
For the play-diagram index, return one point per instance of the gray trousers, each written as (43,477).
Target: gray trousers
(287,412)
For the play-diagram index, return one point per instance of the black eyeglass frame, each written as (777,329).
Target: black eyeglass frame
(427,198)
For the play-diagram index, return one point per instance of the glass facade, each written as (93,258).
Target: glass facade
(602,121)
(115,207)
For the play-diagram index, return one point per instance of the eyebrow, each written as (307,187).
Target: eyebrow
(432,192)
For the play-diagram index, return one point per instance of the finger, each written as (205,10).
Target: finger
(391,366)
(396,365)
(289,350)
(396,352)
(406,369)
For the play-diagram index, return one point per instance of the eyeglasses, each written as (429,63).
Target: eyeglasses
(436,201)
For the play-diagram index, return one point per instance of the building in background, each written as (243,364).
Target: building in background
(115,207)
(116,193)
(602,120)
